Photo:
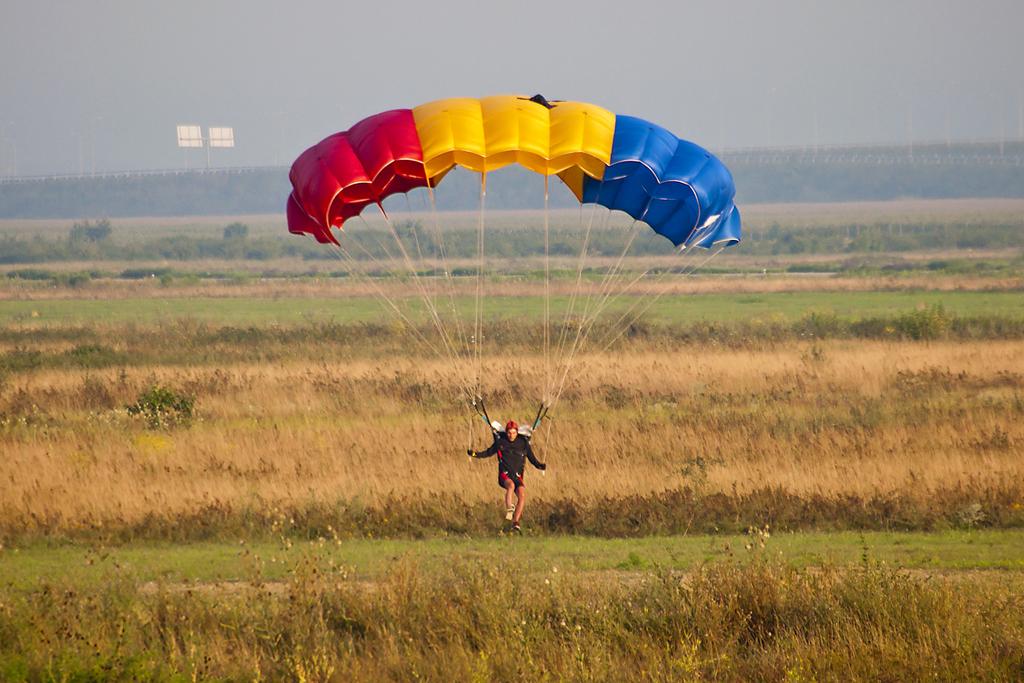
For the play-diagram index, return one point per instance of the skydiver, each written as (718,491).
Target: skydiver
(512,451)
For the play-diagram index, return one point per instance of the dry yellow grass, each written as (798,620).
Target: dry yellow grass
(833,418)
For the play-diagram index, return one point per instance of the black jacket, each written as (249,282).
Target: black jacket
(512,455)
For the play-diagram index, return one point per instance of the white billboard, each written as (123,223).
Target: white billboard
(222,137)
(190,136)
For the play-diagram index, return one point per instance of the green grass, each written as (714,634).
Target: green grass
(784,306)
(26,567)
(483,618)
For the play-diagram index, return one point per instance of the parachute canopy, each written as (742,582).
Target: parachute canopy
(679,189)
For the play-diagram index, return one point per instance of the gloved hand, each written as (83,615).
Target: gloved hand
(469,452)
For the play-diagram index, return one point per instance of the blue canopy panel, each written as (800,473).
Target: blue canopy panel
(725,231)
(678,188)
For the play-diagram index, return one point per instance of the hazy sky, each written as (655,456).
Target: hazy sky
(101,84)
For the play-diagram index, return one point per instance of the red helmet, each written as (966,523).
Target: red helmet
(511,425)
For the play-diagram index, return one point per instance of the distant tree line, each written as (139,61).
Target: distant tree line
(825,182)
(265,190)
(884,237)
(93,241)
(187,194)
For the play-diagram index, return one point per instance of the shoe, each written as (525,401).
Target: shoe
(509,512)
(515,527)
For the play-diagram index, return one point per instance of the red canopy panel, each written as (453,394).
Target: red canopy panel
(339,176)
(299,223)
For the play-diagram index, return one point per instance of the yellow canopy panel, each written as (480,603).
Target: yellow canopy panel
(486,134)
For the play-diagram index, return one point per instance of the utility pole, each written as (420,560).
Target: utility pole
(3,148)
(816,138)
(910,129)
(1020,115)
(92,143)
(8,150)
(278,122)
(1002,131)
(949,135)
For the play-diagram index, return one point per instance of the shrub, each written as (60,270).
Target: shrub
(21,359)
(162,407)
(73,280)
(236,231)
(85,231)
(821,325)
(31,274)
(94,356)
(927,323)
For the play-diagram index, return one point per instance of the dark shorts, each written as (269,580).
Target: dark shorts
(504,476)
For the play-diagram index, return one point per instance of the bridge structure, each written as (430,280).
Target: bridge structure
(144,173)
(978,153)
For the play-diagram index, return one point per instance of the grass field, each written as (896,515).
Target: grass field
(782,306)
(768,478)
(796,437)
(212,563)
(722,608)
